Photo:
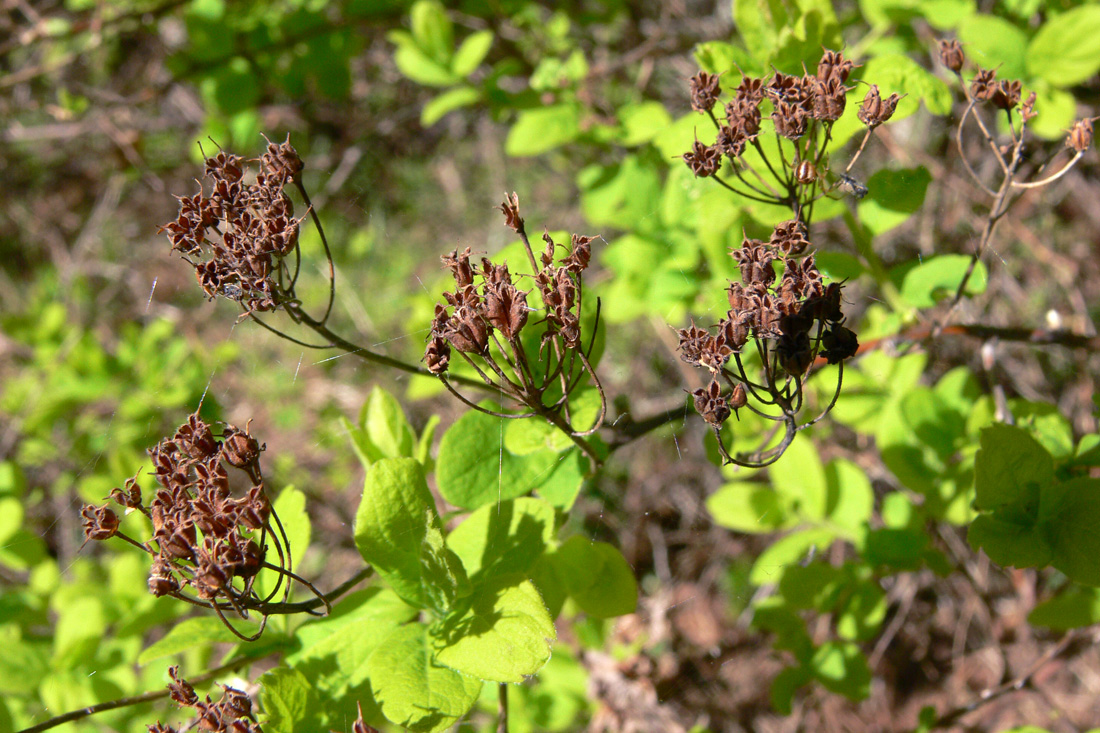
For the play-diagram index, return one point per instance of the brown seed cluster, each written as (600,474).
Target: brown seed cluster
(485,316)
(790,319)
(205,540)
(238,236)
(796,101)
(230,714)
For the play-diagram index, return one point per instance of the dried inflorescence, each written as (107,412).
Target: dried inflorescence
(485,317)
(799,107)
(239,235)
(207,544)
(232,713)
(791,321)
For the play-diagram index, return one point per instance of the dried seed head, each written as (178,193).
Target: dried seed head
(1027,109)
(833,65)
(982,86)
(711,405)
(100,523)
(875,110)
(703,160)
(705,89)
(951,55)
(510,208)
(839,344)
(1006,95)
(181,690)
(790,237)
(1080,135)
(240,449)
(805,172)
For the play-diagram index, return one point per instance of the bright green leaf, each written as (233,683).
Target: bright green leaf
(1069,513)
(542,129)
(397,530)
(1073,608)
(938,277)
(447,102)
(789,550)
(432,29)
(415,691)
(187,634)
(597,577)
(289,701)
(471,52)
(505,635)
(746,507)
(503,538)
(1066,50)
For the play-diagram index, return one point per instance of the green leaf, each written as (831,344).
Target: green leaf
(471,52)
(291,508)
(432,29)
(938,277)
(357,626)
(769,567)
(416,64)
(415,691)
(235,87)
(1010,540)
(901,74)
(563,485)
(894,196)
(749,508)
(474,469)
(1073,608)
(505,635)
(758,25)
(541,129)
(719,57)
(862,612)
(1066,50)
(1011,468)
(800,479)
(642,121)
(895,548)
(504,538)
(11,518)
(842,668)
(785,684)
(995,43)
(397,530)
(386,426)
(597,577)
(523,437)
(1069,514)
(447,102)
(289,701)
(188,634)
(851,499)
(79,629)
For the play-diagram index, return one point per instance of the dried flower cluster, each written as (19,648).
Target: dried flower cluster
(798,104)
(238,237)
(1005,95)
(231,714)
(204,540)
(791,320)
(485,318)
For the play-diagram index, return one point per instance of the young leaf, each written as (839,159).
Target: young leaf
(938,277)
(475,470)
(1066,50)
(357,626)
(188,634)
(505,635)
(447,102)
(503,538)
(289,701)
(432,29)
(894,196)
(748,508)
(1073,608)
(413,690)
(386,426)
(398,531)
(471,53)
(597,577)
(542,129)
